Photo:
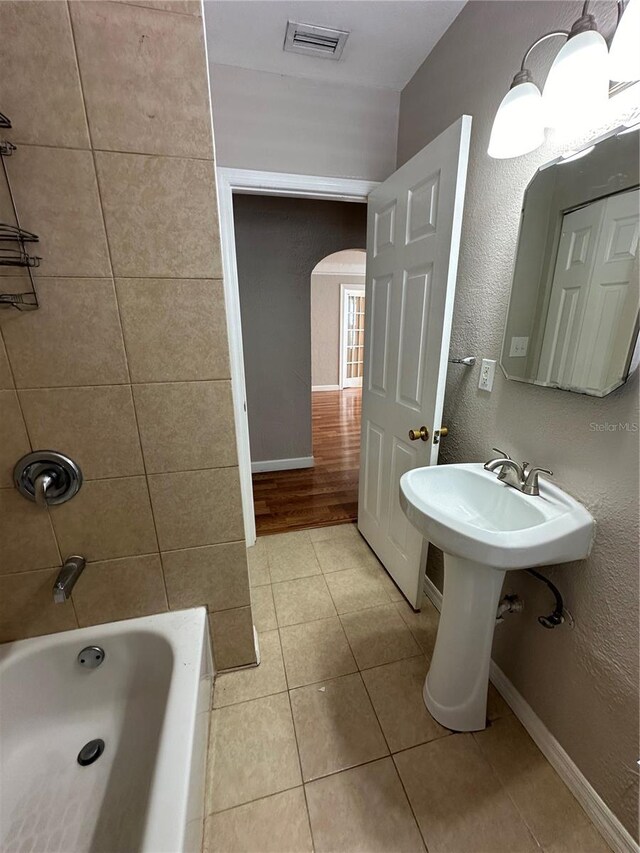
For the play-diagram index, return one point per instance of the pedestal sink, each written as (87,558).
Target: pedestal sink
(485,528)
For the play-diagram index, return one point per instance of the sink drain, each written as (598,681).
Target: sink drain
(91,752)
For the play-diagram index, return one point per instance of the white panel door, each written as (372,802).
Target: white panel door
(569,292)
(413,238)
(611,312)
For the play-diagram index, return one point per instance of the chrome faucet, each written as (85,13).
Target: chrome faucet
(521,477)
(67,577)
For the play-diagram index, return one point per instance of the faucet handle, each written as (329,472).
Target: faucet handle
(503,454)
(531,486)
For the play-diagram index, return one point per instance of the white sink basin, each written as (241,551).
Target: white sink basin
(484,528)
(467,511)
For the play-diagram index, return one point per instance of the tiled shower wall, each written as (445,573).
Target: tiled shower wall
(125,365)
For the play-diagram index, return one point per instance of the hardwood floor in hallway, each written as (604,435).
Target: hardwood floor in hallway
(328,492)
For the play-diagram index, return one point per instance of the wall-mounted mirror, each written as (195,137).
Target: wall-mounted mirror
(573,314)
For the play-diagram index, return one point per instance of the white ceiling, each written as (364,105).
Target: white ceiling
(388,41)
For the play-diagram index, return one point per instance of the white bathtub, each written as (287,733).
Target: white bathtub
(149,702)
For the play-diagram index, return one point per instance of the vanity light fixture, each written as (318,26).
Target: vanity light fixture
(629,128)
(624,55)
(577,155)
(577,85)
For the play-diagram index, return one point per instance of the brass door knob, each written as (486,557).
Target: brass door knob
(415,434)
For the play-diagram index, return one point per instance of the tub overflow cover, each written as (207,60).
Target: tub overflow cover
(91,752)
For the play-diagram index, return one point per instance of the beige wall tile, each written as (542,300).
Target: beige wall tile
(175,330)
(336,726)
(315,651)
(363,809)
(302,600)
(71,309)
(119,589)
(232,638)
(106,519)
(27,608)
(37,50)
(26,536)
(215,575)
(253,751)
(378,636)
(197,507)
(271,825)
(458,800)
(14,441)
(186,425)
(95,426)
(396,692)
(56,194)
(254,681)
(161,215)
(6,379)
(161,67)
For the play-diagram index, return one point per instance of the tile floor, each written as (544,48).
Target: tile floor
(327,745)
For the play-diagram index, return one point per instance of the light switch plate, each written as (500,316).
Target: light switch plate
(518,347)
(487,372)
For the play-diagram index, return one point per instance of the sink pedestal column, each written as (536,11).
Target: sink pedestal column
(455,690)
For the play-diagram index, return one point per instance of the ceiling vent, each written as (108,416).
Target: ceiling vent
(323,42)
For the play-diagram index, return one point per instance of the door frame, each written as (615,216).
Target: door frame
(249,181)
(344,289)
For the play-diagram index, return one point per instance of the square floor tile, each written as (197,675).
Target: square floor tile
(378,636)
(253,752)
(262,608)
(255,681)
(258,565)
(396,692)
(458,801)
(363,810)
(291,555)
(276,824)
(357,589)
(302,600)
(544,801)
(344,552)
(316,651)
(336,726)
(423,625)
(334,531)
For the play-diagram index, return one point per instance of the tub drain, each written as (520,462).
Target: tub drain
(91,752)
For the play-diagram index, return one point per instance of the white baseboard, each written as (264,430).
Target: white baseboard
(614,833)
(282,464)
(325,388)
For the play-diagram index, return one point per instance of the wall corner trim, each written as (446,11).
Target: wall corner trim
(605,821)
(282,464)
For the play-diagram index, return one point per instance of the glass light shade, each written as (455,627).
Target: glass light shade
(624,55)
(518,127)
(577,88)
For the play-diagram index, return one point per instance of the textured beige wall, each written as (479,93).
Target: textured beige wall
(583,683)
(325,325)
(125,365)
